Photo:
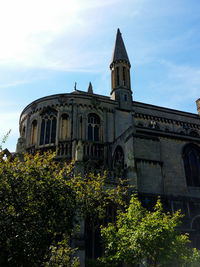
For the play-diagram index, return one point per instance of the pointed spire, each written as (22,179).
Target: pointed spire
(119,52)
(90,89)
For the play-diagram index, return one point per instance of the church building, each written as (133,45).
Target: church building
(156,148)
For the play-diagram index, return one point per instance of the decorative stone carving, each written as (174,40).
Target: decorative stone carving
(95,101)
(62,99)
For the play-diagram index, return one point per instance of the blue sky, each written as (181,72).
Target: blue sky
(47,45)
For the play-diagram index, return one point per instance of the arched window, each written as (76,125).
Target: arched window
(93,127)
(65,132)
(48,127)
(33,140)
(124,76)
(191,157)
(117,69)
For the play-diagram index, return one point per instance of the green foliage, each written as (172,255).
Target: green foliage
(140,234)
(39,200)
(94,195)
(36,206)
(62,255)
(193,259)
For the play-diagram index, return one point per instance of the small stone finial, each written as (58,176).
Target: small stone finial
(90,89)
(198,106)
(75,86)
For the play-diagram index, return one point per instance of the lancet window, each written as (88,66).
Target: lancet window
(124,75)
(93,127)
(33,140)
(191,157)
(117,69)
(48,127)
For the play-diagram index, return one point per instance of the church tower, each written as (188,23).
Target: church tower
(120,74)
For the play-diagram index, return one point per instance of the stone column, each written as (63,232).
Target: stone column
(58,127)
(105,126)
(75,119)
(84,126)
(27,131)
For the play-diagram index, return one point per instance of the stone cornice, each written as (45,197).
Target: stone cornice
(167,120)
(165,110)
(149,133)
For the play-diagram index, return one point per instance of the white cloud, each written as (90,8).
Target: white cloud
(29,29)
(178,87)
(13,84)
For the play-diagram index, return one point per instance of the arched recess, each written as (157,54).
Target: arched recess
(48,127)
(33,140)
(94,127)
(64,129)
(191,158)
(23,131)
(118,159)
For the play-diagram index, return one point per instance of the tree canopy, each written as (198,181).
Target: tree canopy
(140,236)
(39,198)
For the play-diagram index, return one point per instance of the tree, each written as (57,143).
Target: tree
(39,199)
(140,235)
(62,255)
(3,141)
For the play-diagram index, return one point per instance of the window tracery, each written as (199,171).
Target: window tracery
(93,127)
(48,127)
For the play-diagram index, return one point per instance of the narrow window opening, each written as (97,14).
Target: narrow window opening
(124,76)
(81,127)
(33,140)
(117,76)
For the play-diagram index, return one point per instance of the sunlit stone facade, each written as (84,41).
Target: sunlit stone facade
(157,148)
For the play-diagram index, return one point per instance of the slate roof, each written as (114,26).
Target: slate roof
(119,52)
